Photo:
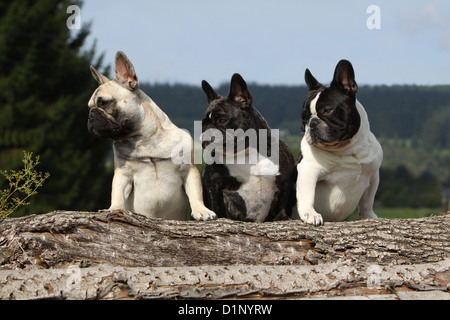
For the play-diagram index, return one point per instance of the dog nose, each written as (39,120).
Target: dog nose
(93,113)
(314,123)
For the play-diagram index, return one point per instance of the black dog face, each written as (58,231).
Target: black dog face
(330,117)
(234,112)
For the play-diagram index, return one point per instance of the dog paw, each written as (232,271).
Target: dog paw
(313,218)
(368,215)
(203,214)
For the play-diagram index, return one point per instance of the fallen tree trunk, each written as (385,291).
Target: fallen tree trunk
(350,279)
(129,254)
(59,239)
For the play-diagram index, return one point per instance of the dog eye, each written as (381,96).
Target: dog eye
(328,111)
(222,121)
(103,103)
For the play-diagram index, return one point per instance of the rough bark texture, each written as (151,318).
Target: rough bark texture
(82,255)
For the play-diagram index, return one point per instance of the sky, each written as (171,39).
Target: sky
(274,41)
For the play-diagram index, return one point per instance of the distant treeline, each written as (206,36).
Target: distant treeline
(404,112)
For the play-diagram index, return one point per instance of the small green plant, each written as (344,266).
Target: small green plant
(22,185)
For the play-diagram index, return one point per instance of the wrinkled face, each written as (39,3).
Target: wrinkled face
(114,112)
(227,114)
(232,121)
(330,118)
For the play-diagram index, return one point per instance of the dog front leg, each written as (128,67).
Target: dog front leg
(194,191)
(306,192)
(366,203)
(121,190)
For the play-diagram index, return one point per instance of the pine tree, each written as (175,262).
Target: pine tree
(45,85)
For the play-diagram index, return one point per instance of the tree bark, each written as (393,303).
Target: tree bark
(121,255)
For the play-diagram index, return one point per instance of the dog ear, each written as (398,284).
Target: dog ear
(311,82)
(211,95)
(101,79)
(344,78)
(239,90)
(124,71)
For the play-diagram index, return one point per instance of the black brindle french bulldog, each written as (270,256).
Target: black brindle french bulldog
(250,174)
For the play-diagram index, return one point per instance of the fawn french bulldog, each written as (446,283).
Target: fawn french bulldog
(146,179)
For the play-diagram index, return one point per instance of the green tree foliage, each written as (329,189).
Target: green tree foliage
(45,84)
(402,111)
(436,133)
(399,188)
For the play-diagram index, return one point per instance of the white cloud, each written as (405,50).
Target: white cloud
(428,18)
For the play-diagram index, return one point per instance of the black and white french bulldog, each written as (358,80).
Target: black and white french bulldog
(341,157)
(148,177)
(258,189)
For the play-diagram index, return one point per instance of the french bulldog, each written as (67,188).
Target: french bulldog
(146,180)
(252,175)
(340,157)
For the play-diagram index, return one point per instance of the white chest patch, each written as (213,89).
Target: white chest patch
(257,186)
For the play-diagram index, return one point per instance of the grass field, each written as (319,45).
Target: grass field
(401,213)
